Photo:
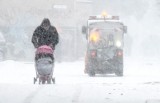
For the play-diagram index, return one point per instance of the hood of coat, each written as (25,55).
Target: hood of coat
(45,23)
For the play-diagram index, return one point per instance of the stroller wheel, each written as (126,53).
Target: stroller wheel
(49,81)
(34,80)
(43,81)
(53,80)
(39,81)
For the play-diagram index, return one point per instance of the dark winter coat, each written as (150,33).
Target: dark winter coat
(45,34)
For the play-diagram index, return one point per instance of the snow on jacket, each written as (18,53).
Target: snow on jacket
(45,34)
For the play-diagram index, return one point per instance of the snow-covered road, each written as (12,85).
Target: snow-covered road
(140,84)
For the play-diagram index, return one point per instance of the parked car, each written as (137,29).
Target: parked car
(2,47)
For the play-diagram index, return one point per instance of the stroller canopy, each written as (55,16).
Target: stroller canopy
(44,50)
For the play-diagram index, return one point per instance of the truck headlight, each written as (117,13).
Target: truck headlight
(118,43)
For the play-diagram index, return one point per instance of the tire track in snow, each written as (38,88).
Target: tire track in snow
(31,96)
(77,93)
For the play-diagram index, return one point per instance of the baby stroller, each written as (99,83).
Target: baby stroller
(44,63)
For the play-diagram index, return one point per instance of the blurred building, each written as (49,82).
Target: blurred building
(67,15)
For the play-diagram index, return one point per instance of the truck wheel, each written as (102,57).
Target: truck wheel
(119,70)
(91,73)
(119,73)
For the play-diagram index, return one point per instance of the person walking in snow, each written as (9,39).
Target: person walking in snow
(45,34)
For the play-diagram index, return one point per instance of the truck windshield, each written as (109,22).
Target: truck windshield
(108,33)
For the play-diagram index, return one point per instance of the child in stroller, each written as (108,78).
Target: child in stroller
(44,63)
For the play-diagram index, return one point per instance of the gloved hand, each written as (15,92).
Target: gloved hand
(36,46)
(51,46)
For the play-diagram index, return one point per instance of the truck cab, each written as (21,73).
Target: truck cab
(105,41)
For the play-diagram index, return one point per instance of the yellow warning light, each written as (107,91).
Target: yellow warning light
(104,14)
(94,36)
